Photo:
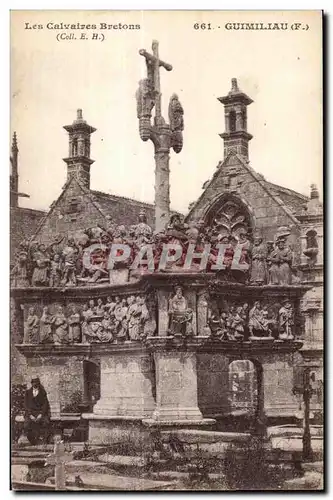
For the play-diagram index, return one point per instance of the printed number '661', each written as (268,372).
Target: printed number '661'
(202,26)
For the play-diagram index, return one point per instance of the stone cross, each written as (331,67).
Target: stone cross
(163,135)
(59,458)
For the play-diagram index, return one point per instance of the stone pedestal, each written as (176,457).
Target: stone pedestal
(127,383)
(118,276)
(176,386)
(279,400)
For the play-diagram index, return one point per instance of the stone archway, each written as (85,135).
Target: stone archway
(92,382)
(246,391)
(243,391)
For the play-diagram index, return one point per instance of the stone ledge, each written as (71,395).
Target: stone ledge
(201,436)
(149,422)
(30,350)
(94,416)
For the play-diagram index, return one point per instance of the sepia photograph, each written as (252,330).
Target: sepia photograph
(166,250)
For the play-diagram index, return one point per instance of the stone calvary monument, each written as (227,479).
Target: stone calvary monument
(125,349)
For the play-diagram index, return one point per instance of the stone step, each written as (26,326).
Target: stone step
(98,481)
(313,467)
(30,453)
(177,475)
(28,461)
(310,481)
(122,460)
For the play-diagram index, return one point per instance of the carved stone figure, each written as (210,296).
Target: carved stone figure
(286,321)
(110,305)
(148,324)
(143,232)
(270,249)
(237,324)
(94,330)
(218,326)
(86,313)
(91,311)
(281,259)
(111,226)
(134,318)
(41,270)
(176,230)
(60,334)
(108,329)
(19,273)
(55,271)
(74,322)
(258,321)
(31,328)
(243,241)
(311,250)
(69,253)
(145,98)
(98,264)
(258,274)
(46,322)
(121,320)
(99,310)
(180,315)
(176,113)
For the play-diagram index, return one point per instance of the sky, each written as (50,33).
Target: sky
(280,70)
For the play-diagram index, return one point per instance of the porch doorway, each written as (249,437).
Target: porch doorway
(92,383)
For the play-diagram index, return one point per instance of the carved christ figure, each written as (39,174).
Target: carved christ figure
(180,315)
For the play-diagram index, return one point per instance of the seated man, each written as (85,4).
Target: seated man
(37,413)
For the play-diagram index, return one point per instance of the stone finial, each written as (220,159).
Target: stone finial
(314,206)
(79,114)
(234,85)
(314,192)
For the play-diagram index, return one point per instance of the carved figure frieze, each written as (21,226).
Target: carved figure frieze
(258,321)
(226,247)
(97,321)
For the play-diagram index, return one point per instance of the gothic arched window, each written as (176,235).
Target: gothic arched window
(232,121)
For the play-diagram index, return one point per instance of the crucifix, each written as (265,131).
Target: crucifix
(163,135)
(59,458)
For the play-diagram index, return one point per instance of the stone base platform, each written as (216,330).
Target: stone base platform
(135,433)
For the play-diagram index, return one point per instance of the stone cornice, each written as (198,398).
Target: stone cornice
(205,344)
(86,350)
(154,281)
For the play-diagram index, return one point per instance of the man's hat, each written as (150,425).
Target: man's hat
(35,380)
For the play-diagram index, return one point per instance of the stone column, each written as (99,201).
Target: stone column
(162,188)
(127,384)
(191,297)
(163,316)
(202,313)
(176,386)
